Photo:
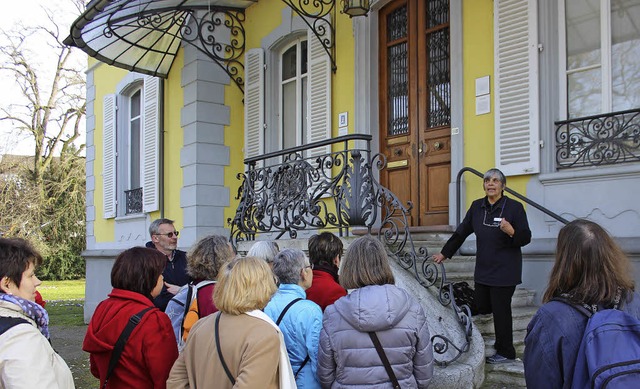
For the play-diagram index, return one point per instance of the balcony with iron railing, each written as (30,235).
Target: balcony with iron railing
(133,200)
(311,188)
(598,140)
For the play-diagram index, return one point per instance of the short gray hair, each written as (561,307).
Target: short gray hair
(154,228)
(495,173)
(265,249)
(288,264)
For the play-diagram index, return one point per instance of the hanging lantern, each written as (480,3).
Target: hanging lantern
(355,7)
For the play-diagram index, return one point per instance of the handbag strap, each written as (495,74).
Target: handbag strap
(224,364)
(385,361)
(286,309)
(122,340)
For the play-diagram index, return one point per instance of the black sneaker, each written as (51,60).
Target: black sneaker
(497,358)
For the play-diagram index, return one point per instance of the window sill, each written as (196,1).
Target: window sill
(591,173)
(133,217)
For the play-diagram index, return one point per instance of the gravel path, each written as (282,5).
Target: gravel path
(67,341)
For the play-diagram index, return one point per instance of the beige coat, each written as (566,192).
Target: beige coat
(250,347)
(26,357)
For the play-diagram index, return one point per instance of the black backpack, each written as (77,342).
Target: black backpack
(7,323)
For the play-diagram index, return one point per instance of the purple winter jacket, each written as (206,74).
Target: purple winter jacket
(348,359)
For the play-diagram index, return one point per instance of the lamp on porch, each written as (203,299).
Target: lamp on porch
(355,7)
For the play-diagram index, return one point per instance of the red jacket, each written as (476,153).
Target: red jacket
(324,290)
(150,351)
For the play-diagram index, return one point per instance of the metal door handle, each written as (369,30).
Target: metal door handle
(438,146)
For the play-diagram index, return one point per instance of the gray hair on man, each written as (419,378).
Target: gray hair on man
(288,264)
(154,227)
(265,249)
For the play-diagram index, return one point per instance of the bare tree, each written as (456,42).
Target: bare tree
(51,105)
(42,195)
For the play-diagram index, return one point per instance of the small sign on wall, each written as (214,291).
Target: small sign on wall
(343,119)
(483,95)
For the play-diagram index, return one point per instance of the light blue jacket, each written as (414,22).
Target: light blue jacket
(301,327)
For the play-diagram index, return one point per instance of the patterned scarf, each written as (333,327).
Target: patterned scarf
(32,310)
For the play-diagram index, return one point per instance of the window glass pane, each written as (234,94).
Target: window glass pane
(135,104)
(289,114)
(625,54)
(585,93)
(304,110)
(303,59)
(289,63)
(583,33)
(134,151)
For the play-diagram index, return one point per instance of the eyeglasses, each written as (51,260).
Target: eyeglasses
(309,266)
(496,220)
(170,234)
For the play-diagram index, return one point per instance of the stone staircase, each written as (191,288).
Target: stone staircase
(460,268)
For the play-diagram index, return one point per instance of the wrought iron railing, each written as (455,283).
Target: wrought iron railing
(308,187)
(506,189)
(598,140)
(133,201)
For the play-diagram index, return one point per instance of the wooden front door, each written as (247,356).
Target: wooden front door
(415,106)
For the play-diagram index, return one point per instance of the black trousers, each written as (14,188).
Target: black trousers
(497,300)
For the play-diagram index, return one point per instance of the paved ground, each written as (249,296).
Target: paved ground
(67,341)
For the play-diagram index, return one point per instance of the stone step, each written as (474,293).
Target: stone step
(504,375)
(518,343)
(521,318)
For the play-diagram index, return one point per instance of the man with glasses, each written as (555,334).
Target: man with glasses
(164,238)
(501,229)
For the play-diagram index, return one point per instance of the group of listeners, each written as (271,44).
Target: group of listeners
(277,319)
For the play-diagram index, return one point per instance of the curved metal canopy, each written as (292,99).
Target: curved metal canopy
(145,35)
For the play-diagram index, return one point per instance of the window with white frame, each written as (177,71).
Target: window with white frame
(302,84)
(131,125)
(600,56)
(293,94)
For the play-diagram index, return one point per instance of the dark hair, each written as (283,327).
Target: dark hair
(15,256)
(365,263)
(207,256)
(137,270)
(323,248)
(589,266)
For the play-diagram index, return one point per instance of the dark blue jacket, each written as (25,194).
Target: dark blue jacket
(552,342)
(498,257)
(175,272)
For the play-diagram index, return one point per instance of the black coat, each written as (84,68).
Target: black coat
(175,272)
(498,256)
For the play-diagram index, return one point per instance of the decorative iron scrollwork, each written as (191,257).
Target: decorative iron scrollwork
(598,140)
(338,190)
(133,201)
(320,16)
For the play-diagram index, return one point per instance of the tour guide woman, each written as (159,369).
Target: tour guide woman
(501,229)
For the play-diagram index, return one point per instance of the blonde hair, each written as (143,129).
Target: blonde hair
(244,284)
(365,263)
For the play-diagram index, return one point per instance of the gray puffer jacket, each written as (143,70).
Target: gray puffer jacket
(348,359)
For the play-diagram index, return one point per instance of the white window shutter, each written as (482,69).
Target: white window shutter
(109,156)
(516,95)
(254,103)
(151,143)
(319,109)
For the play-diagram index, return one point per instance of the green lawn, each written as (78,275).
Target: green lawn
(62,290)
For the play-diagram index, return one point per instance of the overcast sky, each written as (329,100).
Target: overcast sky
(28,13)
